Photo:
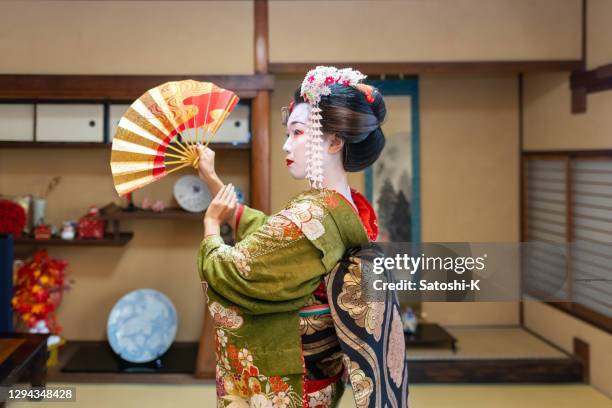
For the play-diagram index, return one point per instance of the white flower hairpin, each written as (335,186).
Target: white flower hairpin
(316,84)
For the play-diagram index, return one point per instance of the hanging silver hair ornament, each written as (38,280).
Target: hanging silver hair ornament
(316,84)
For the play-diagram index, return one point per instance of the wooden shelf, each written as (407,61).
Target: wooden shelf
(114,212)
(80,145)
(108,240)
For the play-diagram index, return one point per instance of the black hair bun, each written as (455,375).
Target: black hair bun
(359,156)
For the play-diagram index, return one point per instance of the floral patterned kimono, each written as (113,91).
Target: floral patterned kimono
(290,326)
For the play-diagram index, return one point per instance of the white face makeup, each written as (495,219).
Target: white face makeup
(296,145)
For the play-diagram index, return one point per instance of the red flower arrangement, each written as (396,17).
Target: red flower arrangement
(38,290)
(12,218)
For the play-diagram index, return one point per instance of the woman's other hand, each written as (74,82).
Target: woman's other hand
(221,208)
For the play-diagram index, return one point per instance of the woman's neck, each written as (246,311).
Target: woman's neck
(335,178)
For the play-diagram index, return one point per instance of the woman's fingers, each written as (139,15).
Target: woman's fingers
(233,201)
(226,193)
(230,194)
(219,197)
(206,151)
(226,197)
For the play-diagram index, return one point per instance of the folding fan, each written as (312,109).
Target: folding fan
(146,146)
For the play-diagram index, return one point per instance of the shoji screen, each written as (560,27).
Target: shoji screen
(591,203)
(546,223)
(568,200)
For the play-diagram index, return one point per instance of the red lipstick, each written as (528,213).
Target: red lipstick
(289,162)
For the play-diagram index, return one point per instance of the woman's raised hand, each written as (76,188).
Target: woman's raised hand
(222,206)
(206,165)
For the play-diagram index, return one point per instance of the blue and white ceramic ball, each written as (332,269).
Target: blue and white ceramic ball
(142,326)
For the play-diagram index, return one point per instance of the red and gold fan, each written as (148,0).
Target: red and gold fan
(146,146)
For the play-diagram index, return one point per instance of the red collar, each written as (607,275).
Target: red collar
(366,213)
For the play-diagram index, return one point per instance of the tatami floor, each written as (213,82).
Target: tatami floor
(473,343)
(426,396)
(490,342)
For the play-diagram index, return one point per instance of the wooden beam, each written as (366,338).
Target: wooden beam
(595,80)
(429,67)
(118,88)
(604,154)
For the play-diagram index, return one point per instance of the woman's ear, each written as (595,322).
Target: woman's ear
(336,145)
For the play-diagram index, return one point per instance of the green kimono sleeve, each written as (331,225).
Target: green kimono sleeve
(273,269)
(249,220)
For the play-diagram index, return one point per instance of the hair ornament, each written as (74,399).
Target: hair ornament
(368,90)
(316,84)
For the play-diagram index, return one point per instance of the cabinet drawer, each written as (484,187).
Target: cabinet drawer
(17,122)
(235,128)
(70,123)
(115,112)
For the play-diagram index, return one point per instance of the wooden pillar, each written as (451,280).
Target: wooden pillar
(260,152)
(260,114)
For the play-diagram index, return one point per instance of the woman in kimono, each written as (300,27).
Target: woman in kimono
(291,323)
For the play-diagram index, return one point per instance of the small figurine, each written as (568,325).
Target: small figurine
(158,206)
(68,230)
(146,204)
(155,206)
(42,231)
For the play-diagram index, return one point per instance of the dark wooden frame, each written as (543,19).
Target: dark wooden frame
(8,144)
(415,68)
(29,359)
(584,82)
(115,88)
(582,351)
(581,312)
